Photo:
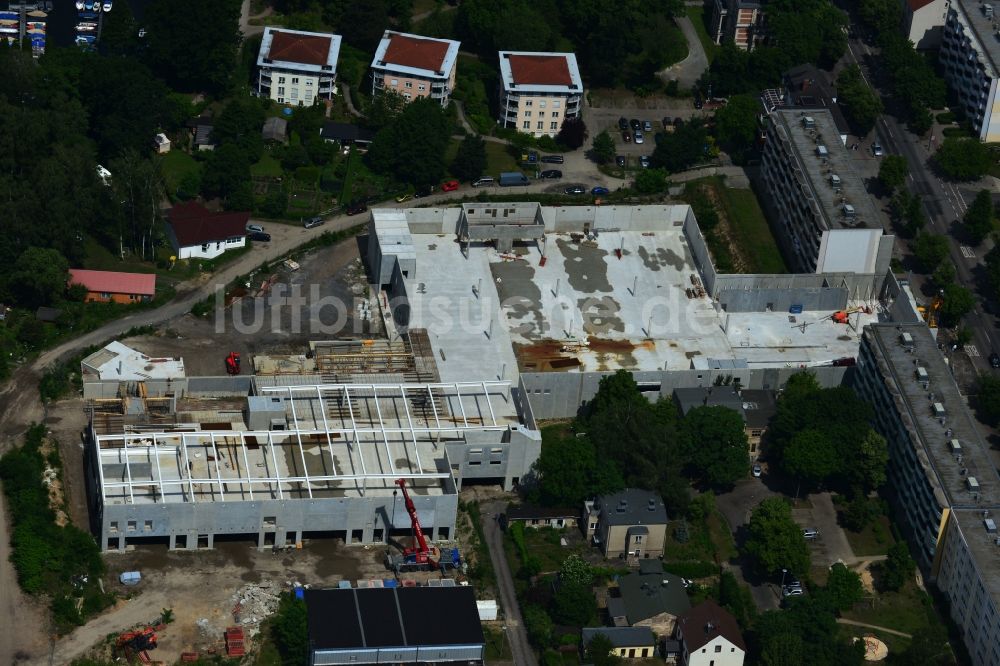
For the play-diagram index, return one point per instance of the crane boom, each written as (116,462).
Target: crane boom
(422,550)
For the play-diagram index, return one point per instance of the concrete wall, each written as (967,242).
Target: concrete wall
(699,250)
(558,395)
(155,388)
(494,455)
(780,300)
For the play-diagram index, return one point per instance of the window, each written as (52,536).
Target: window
(407,95)
(281,90)
(148,526)
(114,527)
(526,125)
(309,82)
(637,539)
(408,84)
(281,79)
(553,126)
(295,93)
(718,648)
(422,87)
(475,463)
(540,124)
(394,82)
(541,103)
(295,80)
(528,102)
(105,295)
(131,526)
(556,104)
(496,449)
(527,114)
(281,100)
(476,451)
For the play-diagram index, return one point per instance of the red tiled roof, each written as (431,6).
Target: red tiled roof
(193,224)
(112,282)
(704,622)
(914,5)
(538,70)
(416,52)
(305,49)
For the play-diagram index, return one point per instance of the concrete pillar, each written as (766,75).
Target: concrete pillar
(368,533)
(260,540)
(173,542)
(121,543)
(279,538)
(211,541)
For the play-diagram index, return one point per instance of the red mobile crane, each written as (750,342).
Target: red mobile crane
(420,556)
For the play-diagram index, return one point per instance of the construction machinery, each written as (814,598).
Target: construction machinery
(233,363)
(420,556)
(134,644)
(843,316)
(930,314)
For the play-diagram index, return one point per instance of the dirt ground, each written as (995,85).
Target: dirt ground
(317,301)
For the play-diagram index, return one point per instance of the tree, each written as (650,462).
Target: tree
(38,277)
(893,171)
(811,457)
(290,630)
(958,302)
(774,541)
(568,470)
(716,445)
(898,568)
(226,170)
(867,466)
(385,107)
(930,250)
(683,148)
(736,126)
(412,146)
(574,604)
(470,160)
(604,148)
(119,32)
(651,181)
(600,651)
(881,15)
(575,571)
(573,133)
(275,203)
(979,219)
(859,513)
(988,398)
(138,184)
(992,260)
(944,274)
(192,44)
(963,159)
(861,104)
(843,587)
(539,625)
(908,211)
(736,599)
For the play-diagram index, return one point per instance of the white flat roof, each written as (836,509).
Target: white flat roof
(848,251)
(119,361)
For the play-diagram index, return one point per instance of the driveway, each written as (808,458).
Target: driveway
(831,546)
(687,71)
(736,506)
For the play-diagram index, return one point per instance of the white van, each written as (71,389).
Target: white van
(485,181)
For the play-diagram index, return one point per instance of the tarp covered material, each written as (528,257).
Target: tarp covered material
(130,578)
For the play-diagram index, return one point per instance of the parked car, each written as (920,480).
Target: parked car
(678,121)
(402,198)
(620,160)
(484,182)
(575,189)
(756,470)
(254,227)
(449,186)
(599,190)
(553,159)
(626,136)
(639,138)
(792,591)
(644,161)
(623,123)
(314,222)
(647,126)
(635,124)
(357,208)
(810,533)
(424,191)
(260,236)
(877,149)
(550,173)
(995,360)
(698,103)
(666,122)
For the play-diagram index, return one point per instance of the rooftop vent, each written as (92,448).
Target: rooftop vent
(988,10)
(906,340)
(922,375)
(990,525)
(938,409)
(622,505)
(821,151)
(972,484)
(835,180)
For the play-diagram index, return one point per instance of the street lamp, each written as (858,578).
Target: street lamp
(783,573)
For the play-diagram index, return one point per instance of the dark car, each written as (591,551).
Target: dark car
(553,159)
(357,208)
(260,236)
(623,123)
(550,173)
(678,121)
(698,103)
(995,360)
(599,190)
(620,160)
(424,191)
(575,189)
(666,122)
(635,124)
(313,222)
(626,136)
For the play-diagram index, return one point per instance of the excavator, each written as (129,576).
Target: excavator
(420,556)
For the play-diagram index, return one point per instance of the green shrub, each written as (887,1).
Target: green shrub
(946,118)
(693,569)
(307,174)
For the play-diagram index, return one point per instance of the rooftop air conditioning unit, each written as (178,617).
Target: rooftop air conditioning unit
(972,484)
(809,122)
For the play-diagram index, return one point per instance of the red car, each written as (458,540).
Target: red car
(449,186)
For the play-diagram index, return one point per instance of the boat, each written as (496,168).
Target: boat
(86,27)
(79,5)
(89,4)
(10,16)
(87,15)
(107,6)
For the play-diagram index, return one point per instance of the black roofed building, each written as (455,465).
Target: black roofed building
(542,516)
(401,625)
(346,134)
(755,407)
(650,598)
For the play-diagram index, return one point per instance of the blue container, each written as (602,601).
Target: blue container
(390,582)
(300,593)
(795,309)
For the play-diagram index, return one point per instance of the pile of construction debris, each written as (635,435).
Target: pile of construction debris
(254,602)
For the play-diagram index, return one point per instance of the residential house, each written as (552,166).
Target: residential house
(539,516)
(630,524)
(162,143)
(970,58)
(297,67)
(538,91)
(755,407)
(346,134)
(275,130)
(739,21)
(923,22)
(650,598)
(415,66)
(710,636)
(201,132)
(114,287)
(626,642)
(198,233)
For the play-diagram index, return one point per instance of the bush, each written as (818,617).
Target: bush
(946,118)
(692,569)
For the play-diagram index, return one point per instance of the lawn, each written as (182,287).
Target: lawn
(896,644)
(697,15)
(706,541)
(268,167)
(909,610)
(544,544)
(498,159)
(175,165)
(875,539)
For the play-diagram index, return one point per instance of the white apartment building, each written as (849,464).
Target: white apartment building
(538,91)
(923,21)
(297,67)
(970,55)
(415,66)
